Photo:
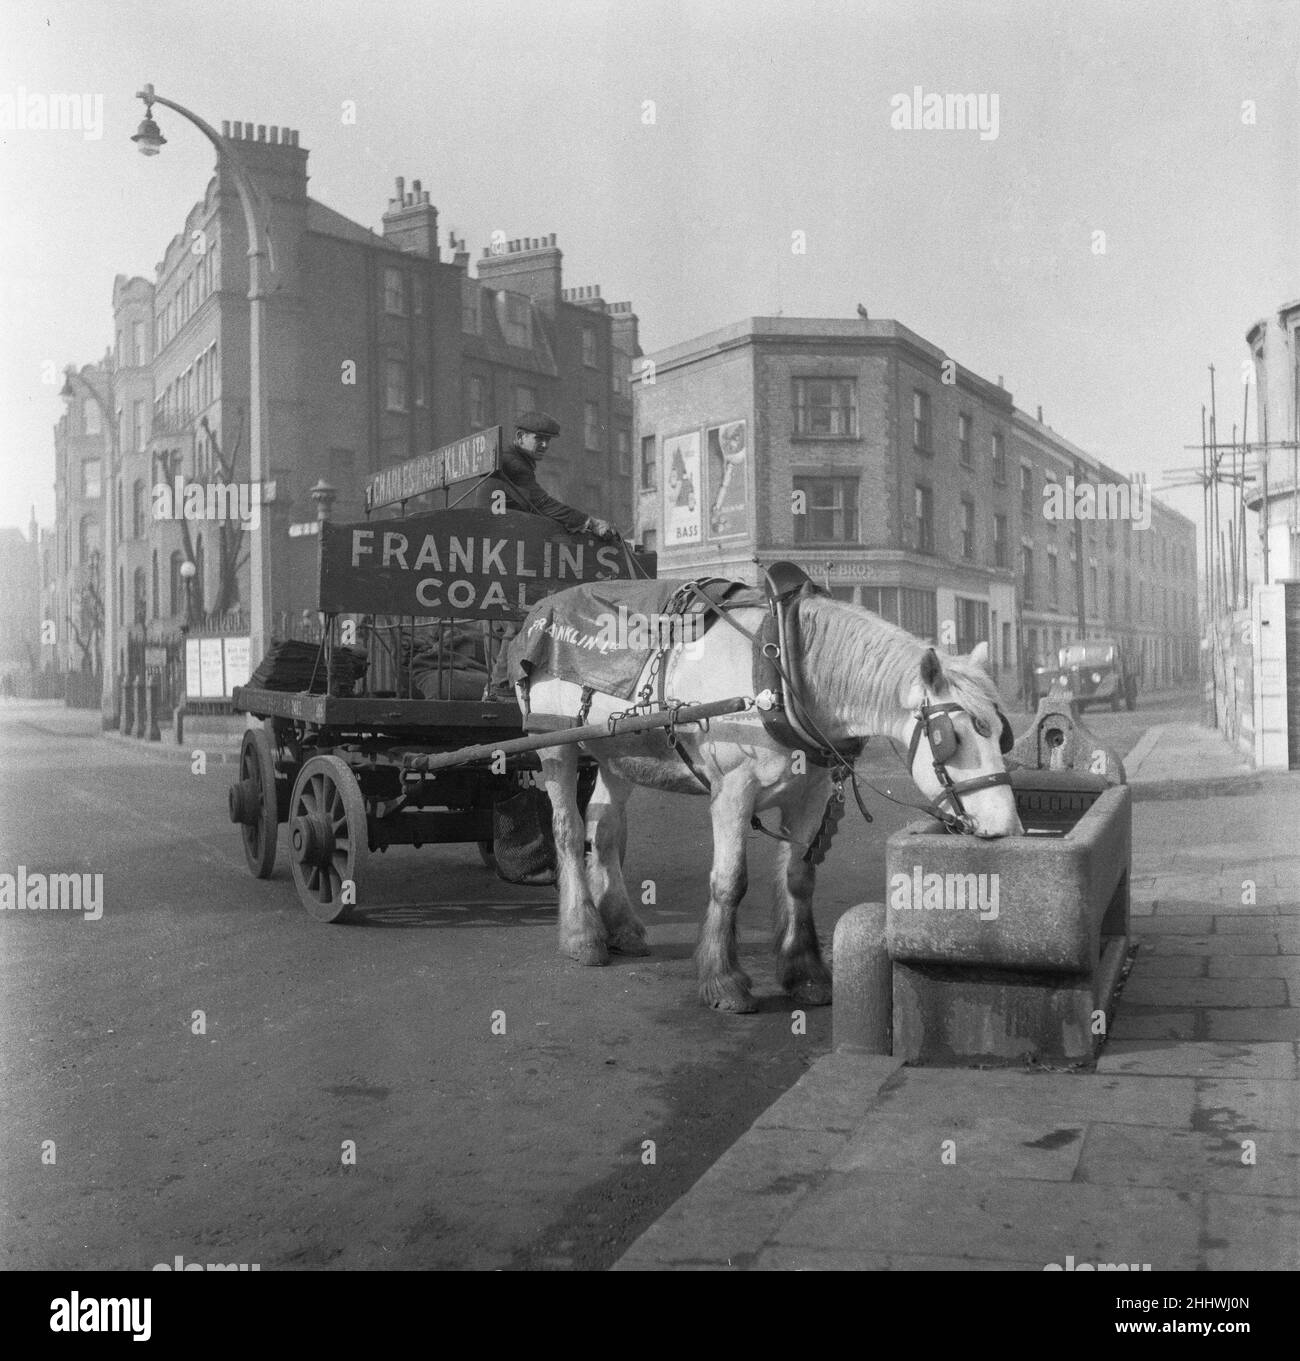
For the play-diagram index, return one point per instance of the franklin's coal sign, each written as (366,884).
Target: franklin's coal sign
(474,456)
(467,564)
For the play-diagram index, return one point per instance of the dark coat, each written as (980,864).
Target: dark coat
(517,477)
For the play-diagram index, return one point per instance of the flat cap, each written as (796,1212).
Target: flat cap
(538,422)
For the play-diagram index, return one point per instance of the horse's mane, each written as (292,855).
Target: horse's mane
(859,667)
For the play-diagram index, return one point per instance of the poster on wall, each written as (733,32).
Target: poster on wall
(727,455)
(683,496)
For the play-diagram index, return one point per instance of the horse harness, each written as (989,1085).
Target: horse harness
(786,718)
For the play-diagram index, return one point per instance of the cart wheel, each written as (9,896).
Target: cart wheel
(328,837)
(253,802)
(487,855)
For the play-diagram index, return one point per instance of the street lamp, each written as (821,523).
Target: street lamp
(149,140)
(188,573)
(108,583)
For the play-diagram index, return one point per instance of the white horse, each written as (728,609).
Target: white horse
(860,676)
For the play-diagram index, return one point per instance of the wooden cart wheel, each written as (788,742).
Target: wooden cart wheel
(328,838)
(253,802)
(487,855)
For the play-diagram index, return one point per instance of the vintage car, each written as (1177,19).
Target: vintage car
(1044,673)
(1099,671)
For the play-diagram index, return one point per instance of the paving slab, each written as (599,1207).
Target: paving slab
(1207,1058)
(1148,965)
(1240,1106)
(1286,967)
(973,1148)
(1205,992)
(1191,1161)
(1010,1220)
(1153,1025)
(1247,1233)
(1173,924)
(1239,943)
(1276,1023)
(935,1097)
(818,1259)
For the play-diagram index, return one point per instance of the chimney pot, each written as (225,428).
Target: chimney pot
(401,188)
(275,133)
(225,127)
(415,186)
(261,132)
(1040,415)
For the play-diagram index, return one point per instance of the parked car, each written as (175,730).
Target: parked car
(1045,670)
(1099,671)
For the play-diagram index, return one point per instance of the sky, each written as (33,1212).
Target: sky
(676,146)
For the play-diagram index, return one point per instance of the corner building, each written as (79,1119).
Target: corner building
(901,481)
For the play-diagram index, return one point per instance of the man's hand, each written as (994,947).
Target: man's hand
(602,529)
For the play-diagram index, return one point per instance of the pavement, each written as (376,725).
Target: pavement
(1179,1149)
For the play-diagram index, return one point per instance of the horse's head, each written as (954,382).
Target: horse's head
(957,739)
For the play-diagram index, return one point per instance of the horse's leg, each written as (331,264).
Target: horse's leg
(800,969)
(582,935)
(607,832)
(723,983)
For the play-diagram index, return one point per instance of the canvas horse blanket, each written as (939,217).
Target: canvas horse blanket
(603,634)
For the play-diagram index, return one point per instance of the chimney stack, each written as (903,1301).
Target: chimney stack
(411,221)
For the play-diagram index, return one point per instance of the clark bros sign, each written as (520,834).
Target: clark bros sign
(466,564)
(474,456)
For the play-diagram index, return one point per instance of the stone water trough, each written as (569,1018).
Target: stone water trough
(1003,951)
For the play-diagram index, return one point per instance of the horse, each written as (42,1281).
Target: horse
(862,676)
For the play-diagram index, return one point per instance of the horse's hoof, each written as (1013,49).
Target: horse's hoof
(726,994)
(812,994)
(591,954)
(629,943)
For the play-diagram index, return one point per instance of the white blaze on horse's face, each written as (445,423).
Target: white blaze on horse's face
(991,812)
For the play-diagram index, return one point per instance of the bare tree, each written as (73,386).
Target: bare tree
(88,628)
(232,542)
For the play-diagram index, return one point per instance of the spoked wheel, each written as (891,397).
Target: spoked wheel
(328,838)
(253,802)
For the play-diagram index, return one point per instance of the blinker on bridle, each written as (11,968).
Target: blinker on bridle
(934,722)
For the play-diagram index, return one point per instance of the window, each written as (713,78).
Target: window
(90,418)
(1053,579)
(394,294)
(139,600)
(156,602)
(826,408)
(395,384)
(517,321)
(589,346)
(92,487)
(140,425)
(421,388)
(623,447)
(830,510)
(137,342)
(999,459)
(1142,599)
(647,462)
(965,451)
(924,507)
(476,403)
(999,541)
(1092,587)
(85,539)
(1026,489)
(1128,596)
(1027,576)
(137,510)
(972,623)
(471,307)
(525,400)
(918,612)
(591,425)
(967,533)
(921,422)
(417,295)
(881,600)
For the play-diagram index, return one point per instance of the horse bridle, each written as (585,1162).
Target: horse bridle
(933,722)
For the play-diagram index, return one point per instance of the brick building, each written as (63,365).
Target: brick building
(901,481)
(375,349)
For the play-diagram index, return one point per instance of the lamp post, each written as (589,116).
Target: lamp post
(188,573)
(108,700)
(150,141)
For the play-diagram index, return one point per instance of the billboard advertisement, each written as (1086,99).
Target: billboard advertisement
(728,455)
(683,495)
